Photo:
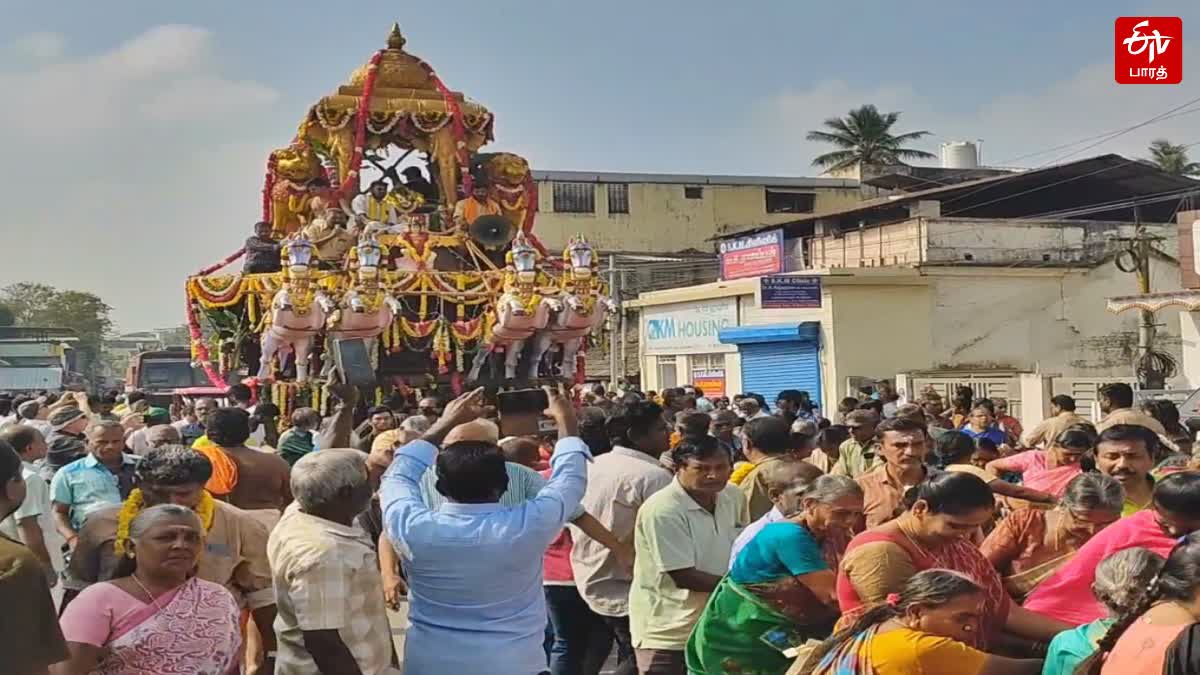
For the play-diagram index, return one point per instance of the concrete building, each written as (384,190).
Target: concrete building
(666,213)
(657,229)
(997,283)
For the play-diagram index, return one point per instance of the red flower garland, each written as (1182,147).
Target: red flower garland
(456,124)
(360,129)
(201,350)
(268,187)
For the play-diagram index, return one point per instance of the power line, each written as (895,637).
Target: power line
(1085,140)
(1122,132)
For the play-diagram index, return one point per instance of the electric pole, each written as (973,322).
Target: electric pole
(1152,367)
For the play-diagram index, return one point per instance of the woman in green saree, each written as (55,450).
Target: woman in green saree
(780,590)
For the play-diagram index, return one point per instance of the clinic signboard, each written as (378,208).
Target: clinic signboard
(752,256)
(688,327)
(789,292)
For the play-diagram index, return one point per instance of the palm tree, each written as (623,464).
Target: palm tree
(865,137)
(1172,158)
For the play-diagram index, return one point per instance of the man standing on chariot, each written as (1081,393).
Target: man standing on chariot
(262,251)
(328,235)
(477,204)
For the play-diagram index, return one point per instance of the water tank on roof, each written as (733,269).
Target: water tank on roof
(960,155)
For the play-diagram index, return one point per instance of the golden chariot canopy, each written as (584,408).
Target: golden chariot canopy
(405,104)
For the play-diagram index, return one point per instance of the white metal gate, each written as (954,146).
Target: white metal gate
(982,386)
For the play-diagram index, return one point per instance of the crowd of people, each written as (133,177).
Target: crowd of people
(667,533)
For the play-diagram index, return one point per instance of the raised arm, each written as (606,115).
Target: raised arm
(558,502)
(1006,489)
(400,489)
(337,433)
(256,245)
(1006,465)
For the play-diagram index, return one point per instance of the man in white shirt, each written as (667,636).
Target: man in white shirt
(619,482)
(373,206)
(25,524)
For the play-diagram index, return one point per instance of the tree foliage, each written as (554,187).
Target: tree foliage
(43,306)
(1172,158)
(865,137)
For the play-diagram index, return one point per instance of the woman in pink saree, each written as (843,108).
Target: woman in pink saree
(156,617)
(1051,470)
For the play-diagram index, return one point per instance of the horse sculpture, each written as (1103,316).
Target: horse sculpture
(298,312)
(521,311)
(367,308)
(583,309)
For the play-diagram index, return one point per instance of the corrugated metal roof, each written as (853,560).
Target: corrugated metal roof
(1105,179)
(693,179)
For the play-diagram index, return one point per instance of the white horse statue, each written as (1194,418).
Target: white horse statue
(298,312)
(521,311)
(582,313)
(367,308)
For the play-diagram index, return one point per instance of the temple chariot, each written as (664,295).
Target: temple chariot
(384,223)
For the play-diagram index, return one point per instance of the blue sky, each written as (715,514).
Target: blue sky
(140,129)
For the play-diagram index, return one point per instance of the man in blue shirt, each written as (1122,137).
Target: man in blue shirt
(475,566)
(102,477)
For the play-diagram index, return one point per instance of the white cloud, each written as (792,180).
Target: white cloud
(135,166)
(1010,124)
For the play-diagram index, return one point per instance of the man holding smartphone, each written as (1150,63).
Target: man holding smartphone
(475,565)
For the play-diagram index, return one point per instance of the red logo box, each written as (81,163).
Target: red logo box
(1149,50)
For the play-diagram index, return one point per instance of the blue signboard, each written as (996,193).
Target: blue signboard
(790,292)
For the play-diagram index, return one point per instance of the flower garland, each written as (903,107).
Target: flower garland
(430,122)
(134,504)
(322,116)
(269,187)
(350,185)
(200,354)
(458,128)
(388,125)
(441,347)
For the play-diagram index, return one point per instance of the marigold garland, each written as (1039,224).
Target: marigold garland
(135,503)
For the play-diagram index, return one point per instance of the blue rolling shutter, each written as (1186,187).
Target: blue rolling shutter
(770,367)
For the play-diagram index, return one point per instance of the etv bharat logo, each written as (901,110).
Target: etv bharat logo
(1149,50)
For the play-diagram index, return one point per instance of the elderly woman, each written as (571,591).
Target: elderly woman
(155,617)
(1120,580)
(1031,544)
(1155,635)
(780,589)
(929,626)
